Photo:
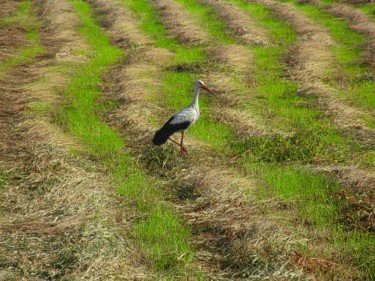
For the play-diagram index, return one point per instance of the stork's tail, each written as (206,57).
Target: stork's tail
(161,136)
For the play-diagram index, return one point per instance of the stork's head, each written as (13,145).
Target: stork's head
(200,85)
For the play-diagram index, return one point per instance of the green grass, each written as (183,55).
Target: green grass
(24,19)
(349,53)
(209,21)
(166,249)
(310,192)
(368,9)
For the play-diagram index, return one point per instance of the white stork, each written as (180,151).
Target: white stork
(181,121)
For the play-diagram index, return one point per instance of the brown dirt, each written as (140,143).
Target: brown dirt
(180,22)
(239,23)
(57,209)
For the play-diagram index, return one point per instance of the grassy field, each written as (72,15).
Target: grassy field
(279,183)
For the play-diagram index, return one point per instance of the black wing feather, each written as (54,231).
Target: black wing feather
(167,130)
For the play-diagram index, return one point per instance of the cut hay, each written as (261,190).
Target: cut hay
(122,24)
(69,222)
(228,223)
(236,57)
(180,23)
(305,60)
(239,23)
(306,29)
(360,23)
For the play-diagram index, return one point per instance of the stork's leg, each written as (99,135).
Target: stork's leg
(179,144)
(183,149)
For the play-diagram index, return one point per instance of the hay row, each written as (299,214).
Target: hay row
(69,222)
(358,22)
(180,23)
(220,213)
(239,23)
(307,59)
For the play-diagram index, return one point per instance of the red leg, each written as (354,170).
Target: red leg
(179,144)
(183,148)
(172,140)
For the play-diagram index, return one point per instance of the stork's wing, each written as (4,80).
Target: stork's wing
(169,129)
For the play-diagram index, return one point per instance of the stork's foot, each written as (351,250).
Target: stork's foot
(184,150)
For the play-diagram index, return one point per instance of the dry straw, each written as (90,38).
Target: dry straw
(239,23)
(180,23)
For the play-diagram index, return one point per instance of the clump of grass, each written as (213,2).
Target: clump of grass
(80,117)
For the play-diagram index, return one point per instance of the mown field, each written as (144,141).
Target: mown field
(279,183)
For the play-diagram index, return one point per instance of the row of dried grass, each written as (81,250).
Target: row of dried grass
(236,57)
(358,22)
(228,230)
(239,23)
(69,224)
(306,29)
(180,23)
(122,22)
(310,61)
(8,8)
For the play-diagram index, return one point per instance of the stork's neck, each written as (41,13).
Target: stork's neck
(195,104)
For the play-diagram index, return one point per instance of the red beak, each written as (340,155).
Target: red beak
(207,89)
